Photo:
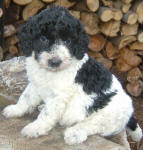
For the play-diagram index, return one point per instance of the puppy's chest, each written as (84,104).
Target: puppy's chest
(51,83)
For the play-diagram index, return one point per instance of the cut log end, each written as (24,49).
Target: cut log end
(106,14)
(127,1)
(110,28)
(140,36)
(139,11)
(31,9)
(90,21)
(97,42)
(93,5)
(22,2)
(127,29)
(1,12)
(130,17)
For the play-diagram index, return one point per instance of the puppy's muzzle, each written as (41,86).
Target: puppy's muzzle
(54,62)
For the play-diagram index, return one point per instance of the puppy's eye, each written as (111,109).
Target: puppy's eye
(43,39)
(67,41)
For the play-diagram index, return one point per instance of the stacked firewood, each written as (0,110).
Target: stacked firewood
(114,27)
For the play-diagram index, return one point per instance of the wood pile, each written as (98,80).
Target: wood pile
(115,28)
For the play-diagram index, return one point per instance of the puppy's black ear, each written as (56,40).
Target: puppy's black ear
(81,42)
(25,39)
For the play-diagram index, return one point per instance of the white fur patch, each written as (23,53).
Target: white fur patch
(67,103)
(136,135)
(59,51)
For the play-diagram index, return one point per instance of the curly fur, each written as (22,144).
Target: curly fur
(54,24)
(78,92)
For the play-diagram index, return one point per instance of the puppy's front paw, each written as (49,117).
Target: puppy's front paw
(75,136)
(34,130)
(12,111)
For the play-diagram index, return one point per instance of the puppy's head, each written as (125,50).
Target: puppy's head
(55,37)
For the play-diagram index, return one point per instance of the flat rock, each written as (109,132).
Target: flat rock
(12,82)
(10,137)
(12,78)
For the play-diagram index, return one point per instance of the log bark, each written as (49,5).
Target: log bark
(134,74)
(81,6)
(13,50)
(130,17)
(122,66)
(12,40)
(93,5)
(122,41)
(130,57)
(48,1)
(129,29)
(13,14)
(22,2)
(1,53)
(135,88)
(136,46)
(110,28)
(112,51)
(95,54)
(9,30)
(118,4)
(106,14)
(106,62)
(65,3)
(97,43)
(90,21)
(32,9)
(7,3)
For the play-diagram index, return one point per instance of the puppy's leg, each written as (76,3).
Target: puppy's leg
(101,125)
(46,120)
(26,103)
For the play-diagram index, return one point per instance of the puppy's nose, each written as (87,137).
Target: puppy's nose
(54,62)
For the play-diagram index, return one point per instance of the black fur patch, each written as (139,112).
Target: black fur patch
(53,25)
(100,101)
(95,78)
(132,124)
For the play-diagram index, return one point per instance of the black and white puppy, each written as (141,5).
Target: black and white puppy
(78,91)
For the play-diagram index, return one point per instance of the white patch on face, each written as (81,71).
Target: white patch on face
(59,52)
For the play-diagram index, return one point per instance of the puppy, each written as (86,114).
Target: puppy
(78,92)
